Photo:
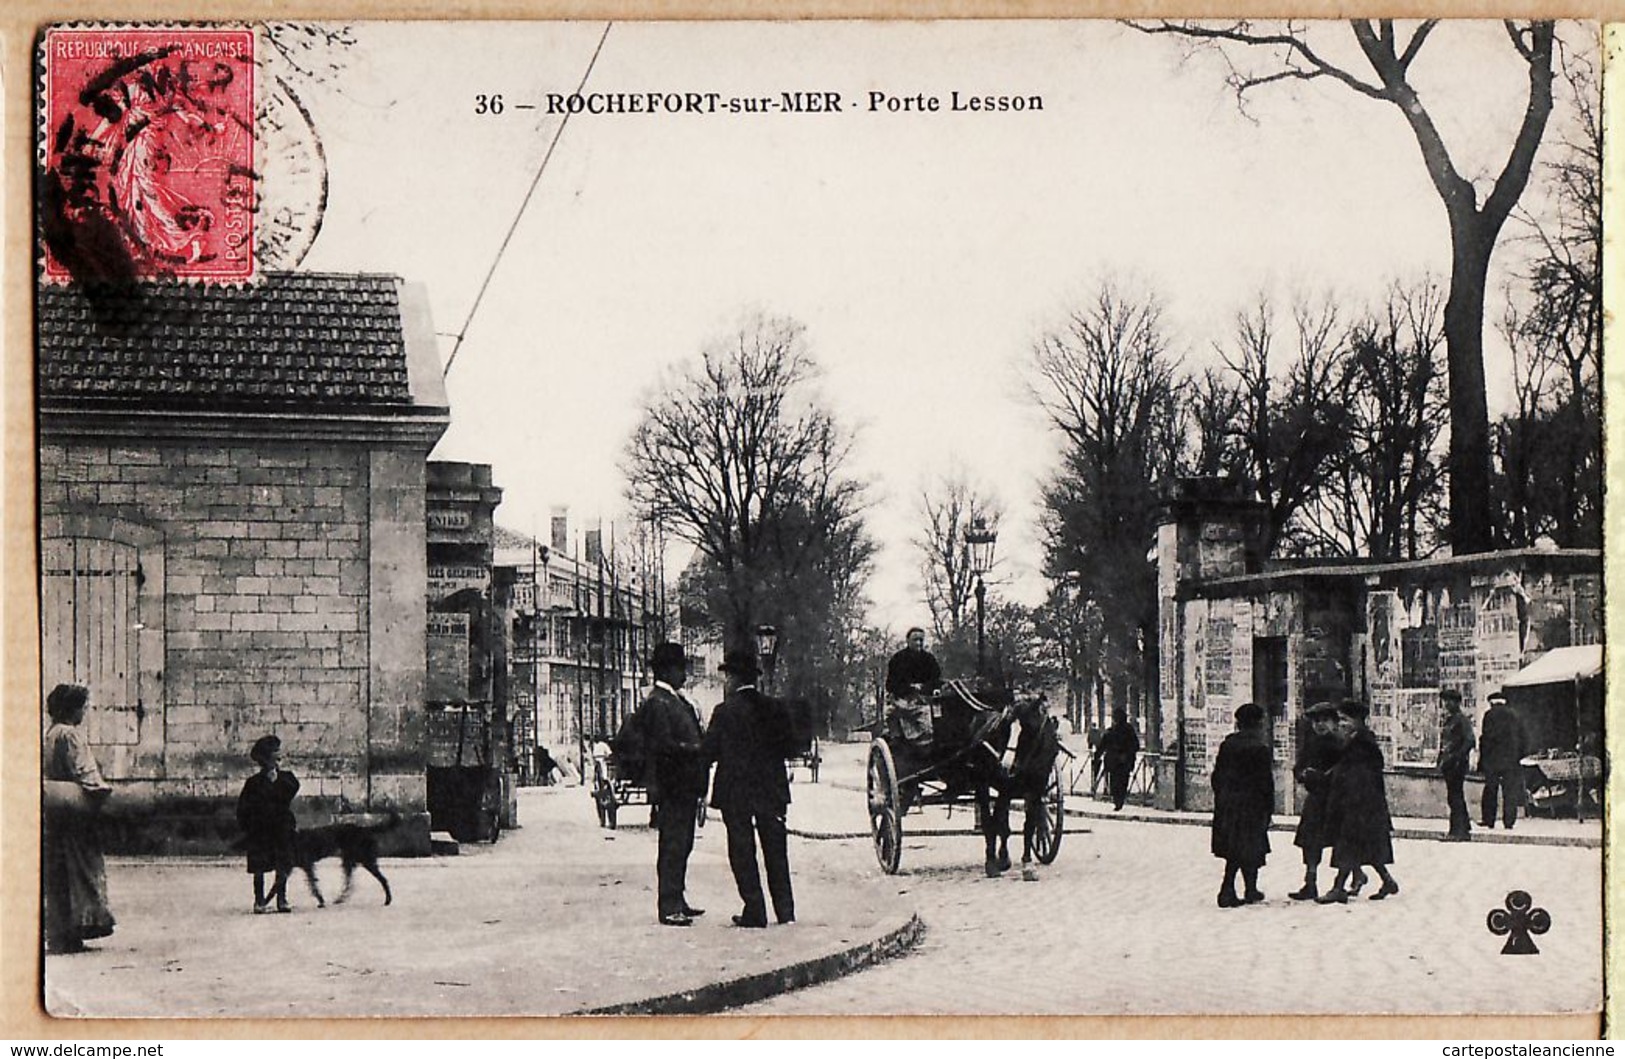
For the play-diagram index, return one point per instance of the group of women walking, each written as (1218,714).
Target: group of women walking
(1345,808)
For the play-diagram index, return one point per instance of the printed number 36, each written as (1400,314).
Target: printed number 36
(488,104)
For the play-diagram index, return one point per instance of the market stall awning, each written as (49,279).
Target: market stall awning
(1560,665)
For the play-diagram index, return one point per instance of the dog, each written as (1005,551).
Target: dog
(356,845)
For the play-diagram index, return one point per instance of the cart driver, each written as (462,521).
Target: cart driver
(911,676)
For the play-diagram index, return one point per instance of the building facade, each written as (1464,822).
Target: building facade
(1235,628)
(469,760)
(231,497)
(581,630)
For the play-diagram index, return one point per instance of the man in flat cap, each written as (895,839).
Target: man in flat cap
(676,777)
(749,738)
(1455,748)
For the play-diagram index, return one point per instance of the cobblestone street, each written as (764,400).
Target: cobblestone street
(1125,921)
(558,918)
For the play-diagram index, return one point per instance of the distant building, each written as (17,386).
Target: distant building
(580,634)
(469,760)
(1235,628)
(232,534)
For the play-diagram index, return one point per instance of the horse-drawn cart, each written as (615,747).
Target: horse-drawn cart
(948,750)
(616,781)
(809,758)
(802,748)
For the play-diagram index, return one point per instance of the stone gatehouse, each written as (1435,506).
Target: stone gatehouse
(232,534)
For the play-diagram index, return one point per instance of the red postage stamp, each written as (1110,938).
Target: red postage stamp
(148,153)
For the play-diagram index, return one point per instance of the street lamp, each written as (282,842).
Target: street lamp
(979,541)
(767,647)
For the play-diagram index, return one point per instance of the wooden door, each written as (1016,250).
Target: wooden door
(90,593)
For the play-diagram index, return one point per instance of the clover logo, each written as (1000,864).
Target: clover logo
(1518,921)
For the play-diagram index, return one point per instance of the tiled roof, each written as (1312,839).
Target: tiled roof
(307,340)
(503,537)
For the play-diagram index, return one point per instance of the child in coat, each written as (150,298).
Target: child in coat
(1243,798)
(265,813)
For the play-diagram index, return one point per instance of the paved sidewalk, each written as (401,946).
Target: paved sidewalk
(556,918)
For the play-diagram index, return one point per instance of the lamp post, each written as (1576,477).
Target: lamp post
(767,647)
(979,541)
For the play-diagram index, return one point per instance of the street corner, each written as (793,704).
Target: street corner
(848,916)
(751,987)
(843,925)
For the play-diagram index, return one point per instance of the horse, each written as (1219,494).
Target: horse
(1027,778)
(961,752)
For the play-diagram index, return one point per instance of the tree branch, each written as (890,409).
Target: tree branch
(1242,33)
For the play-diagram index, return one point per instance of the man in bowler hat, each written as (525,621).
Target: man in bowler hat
(749,738)
(676,777)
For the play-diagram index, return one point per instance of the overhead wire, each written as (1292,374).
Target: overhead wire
(558,133)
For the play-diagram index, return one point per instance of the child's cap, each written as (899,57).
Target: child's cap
(264,747)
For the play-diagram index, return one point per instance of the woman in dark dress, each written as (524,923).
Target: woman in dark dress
(1357,809)
(1243,798)
(75,875)
(265,813)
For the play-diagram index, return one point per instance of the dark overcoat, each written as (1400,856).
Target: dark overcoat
(1503,742)
(1119,746)
(265,813)
(1243,798)
(1357,809)
(1313,770)
(671,741)
(1455,744)
(910,666)
(749,738)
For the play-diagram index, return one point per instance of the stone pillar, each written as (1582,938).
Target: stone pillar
(1206,528)
(396,762)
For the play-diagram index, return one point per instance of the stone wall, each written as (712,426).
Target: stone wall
(278,567)
(1392,635)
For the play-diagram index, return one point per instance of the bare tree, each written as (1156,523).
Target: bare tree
(738,456)
(1549,449)
(1072,625)
(1109,384)
(1380,499)
(1291,415)
(1216,408)
(1390,54)
(947,508)
(1523,442)
(1019,656)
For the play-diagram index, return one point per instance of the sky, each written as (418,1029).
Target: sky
(924,252)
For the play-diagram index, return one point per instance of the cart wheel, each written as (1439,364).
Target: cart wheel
(885,811)
(1047,839)
(813,760)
